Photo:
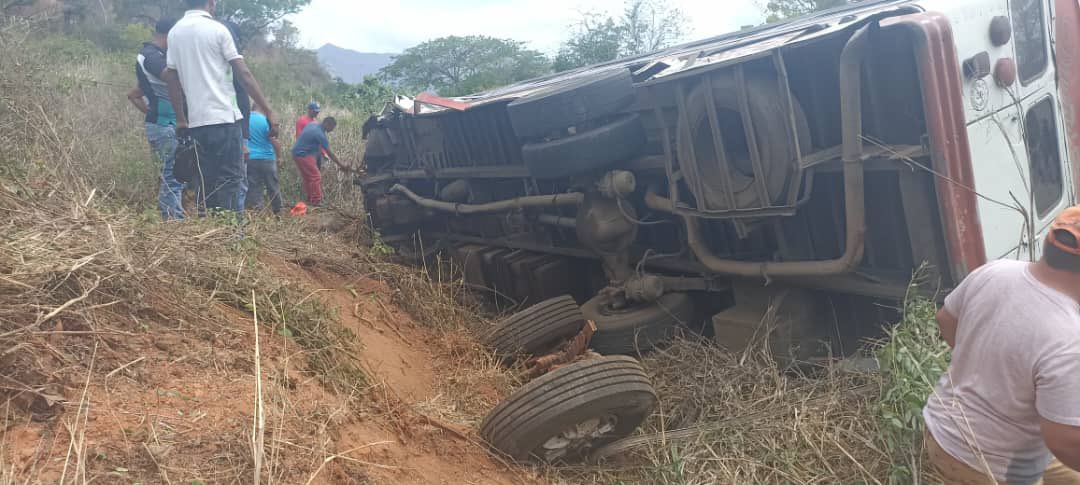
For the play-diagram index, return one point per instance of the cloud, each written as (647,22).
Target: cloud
(394,25)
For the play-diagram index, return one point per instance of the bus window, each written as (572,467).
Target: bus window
(1029,34)
(1041,129)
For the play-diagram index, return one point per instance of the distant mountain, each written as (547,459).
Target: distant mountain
(350,65)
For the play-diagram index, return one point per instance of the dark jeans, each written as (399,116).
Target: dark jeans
(221,158)
(262,175)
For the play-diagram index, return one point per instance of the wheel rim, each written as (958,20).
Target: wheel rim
(579,439)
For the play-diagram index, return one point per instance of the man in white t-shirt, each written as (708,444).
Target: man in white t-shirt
(201,56)
(1008,409)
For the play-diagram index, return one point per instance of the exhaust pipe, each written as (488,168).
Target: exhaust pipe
(555,200)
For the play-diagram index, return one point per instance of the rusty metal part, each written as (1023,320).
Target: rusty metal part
(935,52)
(556,200)
(436,100)
(854,198)
(1067,54)
(538,366)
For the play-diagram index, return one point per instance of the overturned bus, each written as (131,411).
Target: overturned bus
(781,184)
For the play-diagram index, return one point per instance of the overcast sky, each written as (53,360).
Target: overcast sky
(390,26)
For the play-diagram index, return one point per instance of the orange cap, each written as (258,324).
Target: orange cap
(1068,221)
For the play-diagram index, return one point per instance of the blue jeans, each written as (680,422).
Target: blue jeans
(163,143)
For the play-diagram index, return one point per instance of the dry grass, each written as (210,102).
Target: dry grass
(750,423)
(85,290)
(756,425)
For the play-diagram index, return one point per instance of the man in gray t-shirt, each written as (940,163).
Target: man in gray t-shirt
(1010,401)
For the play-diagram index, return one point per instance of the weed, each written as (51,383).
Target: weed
(380,248)
(675,472)
(912,360)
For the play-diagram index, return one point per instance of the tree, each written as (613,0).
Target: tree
(784,9)
(596,40)
(643,26)
(286,35)
(253,16)
(454,66)
(650,26)
(367,97)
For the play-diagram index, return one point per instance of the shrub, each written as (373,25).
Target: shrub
(912,361)
(132,36)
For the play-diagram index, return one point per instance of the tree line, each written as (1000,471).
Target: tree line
(459,65)
(255,18)
(449,66)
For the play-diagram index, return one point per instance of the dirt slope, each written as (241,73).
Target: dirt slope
(417,447)
(156,390)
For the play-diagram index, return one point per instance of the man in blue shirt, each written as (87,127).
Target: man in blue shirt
(306,152)
(151,96)
(262,174)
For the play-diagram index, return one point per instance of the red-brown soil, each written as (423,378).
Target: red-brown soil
(175,404)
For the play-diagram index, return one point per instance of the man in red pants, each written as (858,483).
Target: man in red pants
(306,152)
(312,116)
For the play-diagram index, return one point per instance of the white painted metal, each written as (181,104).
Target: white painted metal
(995,118)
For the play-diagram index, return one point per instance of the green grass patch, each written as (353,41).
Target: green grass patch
(912,361)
